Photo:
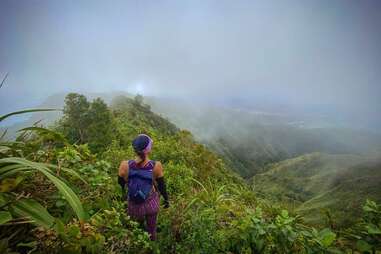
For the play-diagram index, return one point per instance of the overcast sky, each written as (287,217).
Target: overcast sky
(300,52)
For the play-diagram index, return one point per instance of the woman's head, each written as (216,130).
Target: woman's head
(142,145)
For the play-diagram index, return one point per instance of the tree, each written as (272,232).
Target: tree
(75,120)
(88,122)
(101,130)
(138,99)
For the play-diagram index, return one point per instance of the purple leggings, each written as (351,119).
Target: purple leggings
(147,212)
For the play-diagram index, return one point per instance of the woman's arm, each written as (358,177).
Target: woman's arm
(123,174)
(159,177)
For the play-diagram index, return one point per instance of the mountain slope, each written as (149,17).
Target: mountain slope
(315,183)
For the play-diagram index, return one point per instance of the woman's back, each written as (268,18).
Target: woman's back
(145,179)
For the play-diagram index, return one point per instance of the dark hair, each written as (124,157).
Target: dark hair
(142,156)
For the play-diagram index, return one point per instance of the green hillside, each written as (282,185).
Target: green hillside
(316,183)
(59,194)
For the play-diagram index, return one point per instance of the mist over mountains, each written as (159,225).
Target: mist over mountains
(249,138)
(264,111)
(253,139)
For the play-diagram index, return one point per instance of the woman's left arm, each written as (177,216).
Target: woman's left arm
(159,177)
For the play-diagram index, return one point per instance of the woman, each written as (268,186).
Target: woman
(144,179)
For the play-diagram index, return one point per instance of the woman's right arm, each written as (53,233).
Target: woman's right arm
(123,174)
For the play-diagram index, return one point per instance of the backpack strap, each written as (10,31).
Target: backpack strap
(153,163)
(144,172)
(133,165)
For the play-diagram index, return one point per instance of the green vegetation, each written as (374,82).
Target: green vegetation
(320,186)
(80,209)
(86,122)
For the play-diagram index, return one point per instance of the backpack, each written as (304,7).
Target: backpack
(140,181)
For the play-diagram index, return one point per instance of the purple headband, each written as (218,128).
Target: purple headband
(149,146)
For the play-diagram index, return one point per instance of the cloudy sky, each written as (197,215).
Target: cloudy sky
(301,52)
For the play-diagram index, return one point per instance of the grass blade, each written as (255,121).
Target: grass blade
(65,190)
(5,216)
(69,171)
(24,112)
(5,78)
(33,210)
(43,131)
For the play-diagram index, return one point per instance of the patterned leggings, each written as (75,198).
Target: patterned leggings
(146,212)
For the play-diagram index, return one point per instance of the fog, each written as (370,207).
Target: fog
(321,56)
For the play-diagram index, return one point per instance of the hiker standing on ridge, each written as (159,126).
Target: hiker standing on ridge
(144,179)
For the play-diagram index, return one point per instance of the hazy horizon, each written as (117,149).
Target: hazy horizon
(312,57)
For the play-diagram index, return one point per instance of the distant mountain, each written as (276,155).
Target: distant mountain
(250,140)
(315,183)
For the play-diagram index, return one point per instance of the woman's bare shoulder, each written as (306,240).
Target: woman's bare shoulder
(123,168)
(158,169)
(124,163)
